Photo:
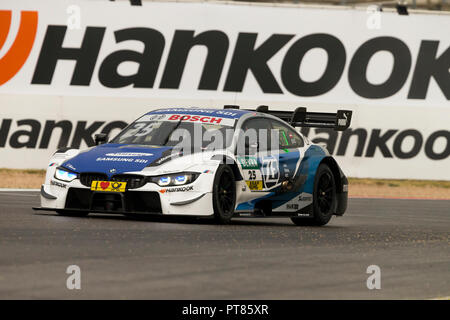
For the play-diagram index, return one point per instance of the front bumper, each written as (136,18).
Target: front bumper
(191,199)
(140,201)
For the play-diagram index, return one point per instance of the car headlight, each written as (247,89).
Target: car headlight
(175,179)
(65,175)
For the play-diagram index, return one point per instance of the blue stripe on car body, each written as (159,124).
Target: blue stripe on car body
(308,166)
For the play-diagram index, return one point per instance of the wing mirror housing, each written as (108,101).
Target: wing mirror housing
(100,138)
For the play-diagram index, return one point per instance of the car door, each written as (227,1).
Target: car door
(291,148)
(259,163)
(289,145)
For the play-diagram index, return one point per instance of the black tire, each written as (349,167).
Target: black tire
(72,213)
(324,199)
(224,194)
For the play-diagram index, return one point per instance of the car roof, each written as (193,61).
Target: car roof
(223,113)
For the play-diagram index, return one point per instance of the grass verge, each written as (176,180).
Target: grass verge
(387,188)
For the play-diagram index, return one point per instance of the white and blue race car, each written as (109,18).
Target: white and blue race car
(221,163)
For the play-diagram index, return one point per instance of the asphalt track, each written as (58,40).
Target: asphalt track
(251,259)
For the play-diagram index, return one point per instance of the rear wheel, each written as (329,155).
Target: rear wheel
(69,213)
(224,194)
(324,199)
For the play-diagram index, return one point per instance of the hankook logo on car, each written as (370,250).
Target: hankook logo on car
(177,189)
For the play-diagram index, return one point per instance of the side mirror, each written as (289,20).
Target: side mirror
(100,138)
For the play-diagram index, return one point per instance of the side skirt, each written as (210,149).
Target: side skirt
(305,212)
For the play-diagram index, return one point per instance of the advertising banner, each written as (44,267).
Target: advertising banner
(69,69)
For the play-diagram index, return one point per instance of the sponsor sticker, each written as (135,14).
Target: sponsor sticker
(177,189)
(58,184)
(206,119)
(270,171)
(248,162)
(129,154)
(303,197)
(254,185)
(166,158)
(118,159)
(68,165)
(108,186)
(226,113)
(292,206)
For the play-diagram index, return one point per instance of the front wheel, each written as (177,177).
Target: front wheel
(324,199)
(224,194)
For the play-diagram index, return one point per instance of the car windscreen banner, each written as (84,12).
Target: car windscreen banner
(70,69)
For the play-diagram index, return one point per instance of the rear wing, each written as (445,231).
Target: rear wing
(338,121)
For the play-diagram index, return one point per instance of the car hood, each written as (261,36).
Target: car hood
(116,158)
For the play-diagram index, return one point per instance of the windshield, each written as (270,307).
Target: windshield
(181,131)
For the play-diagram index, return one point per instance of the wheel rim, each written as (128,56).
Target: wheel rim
(325,192)
(225,192)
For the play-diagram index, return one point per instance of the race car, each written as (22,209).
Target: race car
(220,163)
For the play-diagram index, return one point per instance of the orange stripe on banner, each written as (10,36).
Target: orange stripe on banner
(5,23)
(17,55)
